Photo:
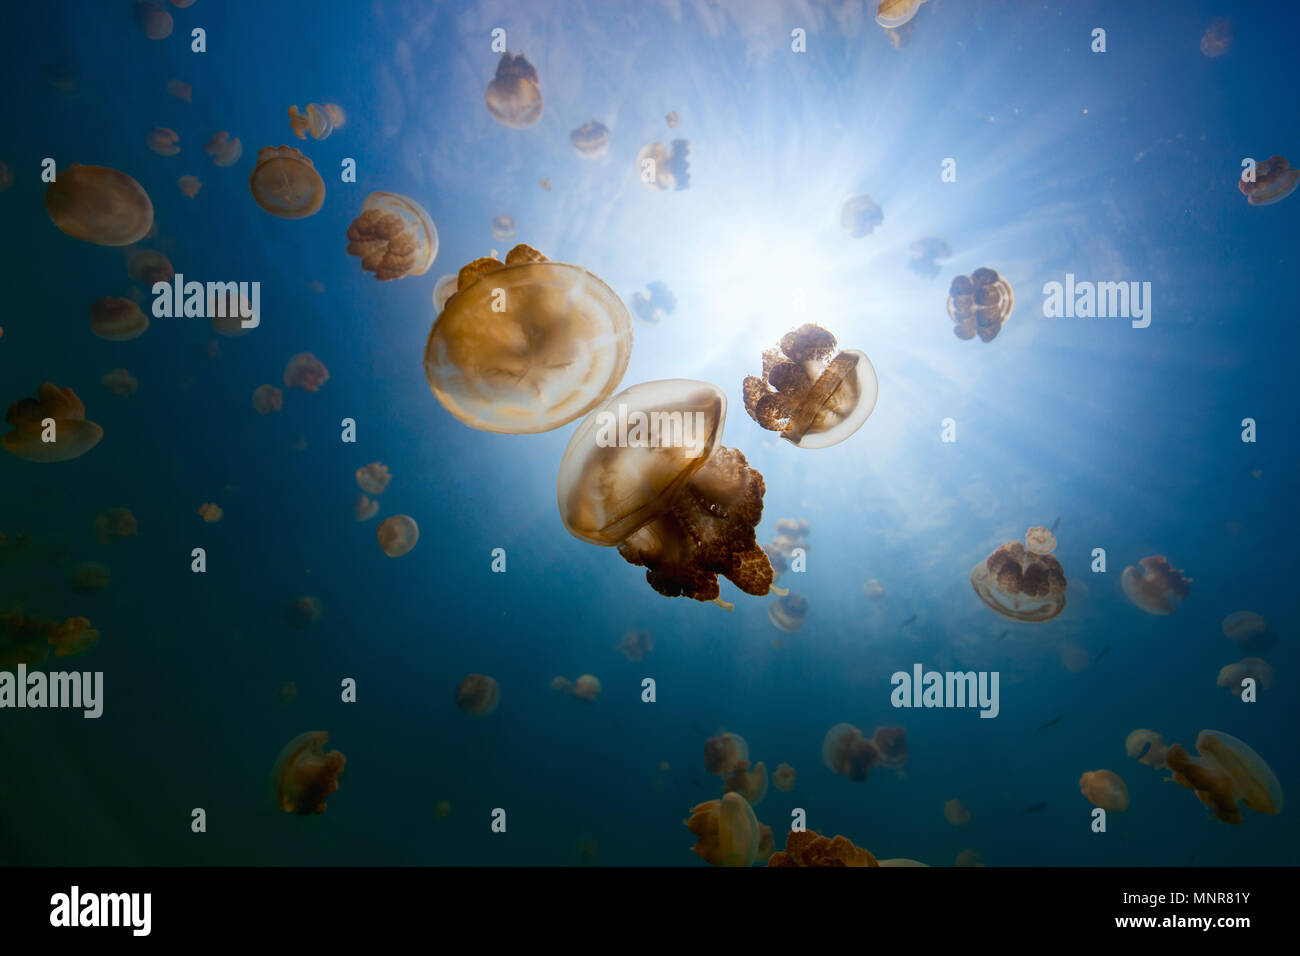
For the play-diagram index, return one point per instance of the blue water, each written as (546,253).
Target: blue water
(1114,166)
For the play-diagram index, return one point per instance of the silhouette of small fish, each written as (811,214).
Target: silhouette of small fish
(1001,636)
(1055,524)
(909,620)
(1034,808)
(1104,651)
(1053,722)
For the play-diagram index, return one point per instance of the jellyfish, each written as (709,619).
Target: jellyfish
(374,478)
(365,508)
(783,777)
(70,434)
(503,228)
(149,266)
(846,752)
(788,612)
(397,535)
(859,214)
(120,382)
(305,371)
(317,121)
(1039,540)
(287,692)
(514,97)
(1155,587)
(562,685)
(1255,668)
(1104,789)
(1075,658)
(810,848)
(967,857)
(267,398)
(180,90)
(674,501)
(393,236)
(89,576)
(1019,583)
(557,351)
(955,812)
(665,166)
(337,117)
(228,309)
(724,753)
(478,695)
(1225,773)
(116,319)
(189,185)
(225,150)
(1147,746)
(814,395)
(74,636)
(653,304)
(1218,37)
(586,687)
(892,14)
(926,254)
(115,523)
(545,184)
(727,831)
(154,20)
(980,303)
(210,512)
(873,589)
(891,744)
(285,183)
(635,645)
(1275,179)
(749,783)
(766,844)
(100,205)
(1249,630)
(163,141)
(591,140)
(304,612)
(442,291)
(671,119)
(304,775)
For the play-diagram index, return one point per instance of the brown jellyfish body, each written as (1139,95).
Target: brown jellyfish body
(1104,789)
(661,487)
(180,90)
(813,394)
(724,753)
(72,434)
(586,687)
(149,266)
(892,14)
(1225,773)
(859,215)
(1147,746)
(1275,179)
(226,150)
(365,508)
(671,119)
(1039,540)
(809,848)
(394,236)
(397,535)
(791,533)
(727,831)
(980,304)
(163,141)
(210,512)
(788,612)
(74,636)
(1255,668)
(1155,586)
(503,228)
(285,183)
(514,97)
(117,319)
(1218,37)
(374,478)
(115,523)
(120,382)
(557,351)
(154,20)
(783,777)
(89,576)
(750,783)
(100,205)
(891,744)
(305,775)
(1249,630)
(478,694)
(635,645)
(846,752)
(665,166)
(189,185)
(955,812)
(305,371)
(304,612)
(591,140)
(1020,583)
(267,399)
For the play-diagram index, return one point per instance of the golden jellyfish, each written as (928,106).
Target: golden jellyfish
(810,848)
(654,303)
(586,687)
(210,512)
(1147,746)
(478,695)
(788,612)
(1021,584)
(393,236)
(189,185)
(562,685)
(1275,179)
(89,576)
(179,89)
(766,844)
(100,205)
(813,394)
(443,290)
(514,97)
(228,310)
(1253,668)
(873,589)
(374,478)
(74,636)
(305,371)
(859,215)
(154,20)
(1225,773)
(557,351)
(317,121)
(1104,789)
(163,141)
(117,319)
(397,535)
(503,228)
(115,523)
(750,783)
(365,508)
(1218,37)
(267,398)
(1249,630)
(635,645)
(225,150)
(285,183)
(149,266)
(846,752)
(980,304)
(304,612)
(892,14)
(955,812)
(661,487)
(57,414)
(591,140)
(724,753)
(337,117)
(727,831)
(1039,540)
(665,166)
(545,184)
(305,775)
(1155,586)
(783,777)
(120,382)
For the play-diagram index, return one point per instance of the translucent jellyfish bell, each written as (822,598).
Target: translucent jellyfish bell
(397,535)
(503,228)
(783,777)
(724,753)
(100,205)
(117,319)
(591,140)
(304,775)
(1104,789)
(980,304)
(1147,746)
(1226,773)
(1020,583)
(847,752)
(859,214)
(1249,630)
(1155,586)
(73,435)
(478,694)
(393,236)
(514,97)
(319,121)
(665,166)
(727,829)
(442,292)
(1275,179)
(814,395)
(788,612)
(1255,668)
(285,183)
(892,14)
(559,348)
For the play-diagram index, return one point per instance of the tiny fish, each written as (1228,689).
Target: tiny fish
(909,620)
(1001,636)
(1055,524)
(1035,808)
(1053,722)
(1104,651)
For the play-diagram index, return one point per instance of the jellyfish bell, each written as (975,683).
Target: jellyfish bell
(783,777)
(1254,668)
(189,185)
(892,14)
(285,183)
(210,512)
(163,141)
(1155,586)
(305,371)
(115,523)
(149,266)
(73,435)
(393,236)
(749,783)
(1248,630)
(304,612)
(74,636)
(320,122)
(514,97)
(305,775)
(1225,773)
(724,753)
(154,19)
(891,744)
(374,478)
(955,812)
(557,351)
(478,694)
(100,205)
(1275,179)
(1020,584)
(338,118)
(980,304)
(591,140)
(1039,540)
(635,645)
(586,687)
(365,508)
(120,382)
(267,398)
(859,215)
(727,831)
(788,612)
(846,752)
(812,394)
(397,535)
(1147,746)
(503,228)
(1104,789)
(665,166)
(1218,37)
(224,149)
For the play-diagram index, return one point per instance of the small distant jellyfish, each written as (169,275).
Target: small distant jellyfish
(1147,746)
(89,576)
(967,857)
(980,304)
(163,141)
(393,236)
(365,508)
(727,831)
(926,254)
(503,228)
(1155,586)
(120,382)
(287,692)
(591,140)
(671,165)
(788,612)
(1225,773)
(1104,789)
(305,775)
(653,304)
(115,523)
(117,319)
(74,435)
(1218,37)
(635,645)
(847,752)
(149,266)
(791,534)
(671,119)
(891,744)
(304,612)
(305,371)
(586,687)
(955,812)
(180,90)
(317,122)
(154,20)
(859,215)
(813,394)
(74,636)
(514,97)
(210,512)
(100,205)
(545,184)
(1275,179)
(1248,630)
(224,149)
(725,752)
(374,477)
(1255,668)
(1074,658)
(783,777)
(892,14)
(267,398)
(749,783)
(562,685)
(397,535)
(1020,583)
(226,309)
(285,183)
(189,185)
(808,848)
(478,695)
(873,589)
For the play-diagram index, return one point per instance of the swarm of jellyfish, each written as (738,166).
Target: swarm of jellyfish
(635,645)
(267,399)
(120,382)
(811,393)
(1248,630)
(665,166)
(727,831)
(859,215)
(1275,179)
(514,97)
(397,535)
(69,434)
(591,140)
(1226,773)
(1231,676)
(305,774)
(115,523)
(285,183)
(478,694)
(100,205)
(654,303)
(1022,582)
(305,371)
(783,777)
(810,848)
(1155,586)
(1104,789)
(225,150)
(980,304)
(393,236)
